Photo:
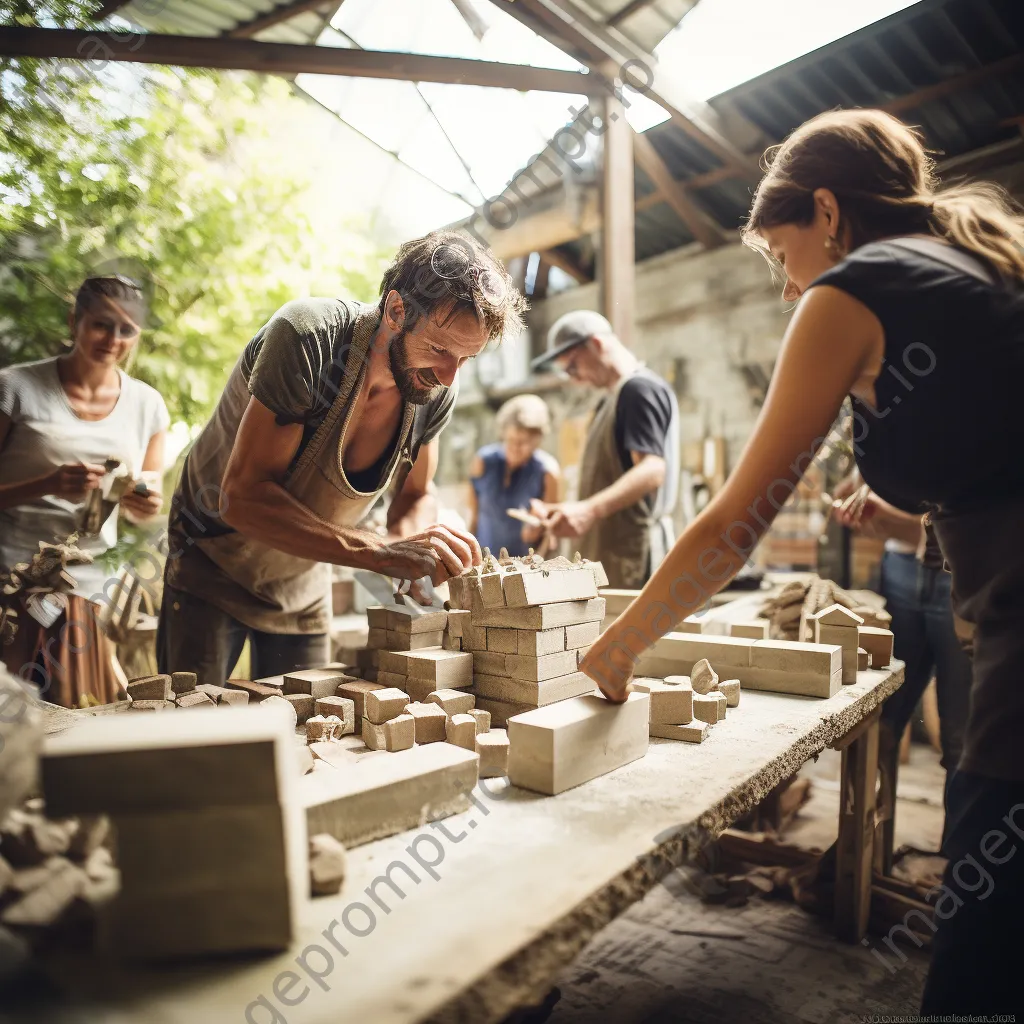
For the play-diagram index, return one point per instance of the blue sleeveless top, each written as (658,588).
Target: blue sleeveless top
(494,528)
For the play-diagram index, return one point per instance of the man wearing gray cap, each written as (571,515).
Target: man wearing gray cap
(629,471)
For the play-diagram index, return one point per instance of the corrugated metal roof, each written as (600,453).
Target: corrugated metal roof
(215,17)
(953,67)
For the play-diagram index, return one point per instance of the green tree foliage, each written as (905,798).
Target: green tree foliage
(174,178)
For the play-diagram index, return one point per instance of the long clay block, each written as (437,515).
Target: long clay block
(755,629)
(449,669)
(429,722)
(381,796)
(705,708)
(461,730)
(392,680)
(731,690)
(692,732)
(378,638)
(317,682)
(792,656)
(380,706)
(457,620)
(257,691)
(151,688)
(502,641)
(533,643)
(399,641)
(418,689)
(583,634)
(564,745)
(151,705)
(878,643)
(843,636)
(396,662)
(536,669)
(493,748)
(670,705)
(304,705)
(489,663)
(377,617)
(356,692)
(677,653)
(691,624)
(452,702)
(531,692)
(502,710)
(538,587)
(550,616)
(403,621)
(803,684)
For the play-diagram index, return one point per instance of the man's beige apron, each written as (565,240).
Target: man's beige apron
(632,542)
(293,592)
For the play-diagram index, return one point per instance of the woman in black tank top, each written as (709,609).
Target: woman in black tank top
(911,300)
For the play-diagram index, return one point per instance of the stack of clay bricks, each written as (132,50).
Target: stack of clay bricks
(685,707)
(392,721)
(179,690)
(527,624)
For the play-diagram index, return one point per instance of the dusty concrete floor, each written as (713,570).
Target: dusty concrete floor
(673,958)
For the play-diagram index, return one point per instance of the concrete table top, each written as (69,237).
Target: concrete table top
(484,908)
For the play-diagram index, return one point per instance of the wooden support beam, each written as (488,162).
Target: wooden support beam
(701,226)
(627,12)
(916,99)
(286,59)
(264,21)
(554,258)
(617,261)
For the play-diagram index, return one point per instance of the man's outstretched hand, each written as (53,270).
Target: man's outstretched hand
(439,552)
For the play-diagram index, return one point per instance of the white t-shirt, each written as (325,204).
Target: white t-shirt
(46,434)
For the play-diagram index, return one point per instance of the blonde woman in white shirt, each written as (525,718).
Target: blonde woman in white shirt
(60,420)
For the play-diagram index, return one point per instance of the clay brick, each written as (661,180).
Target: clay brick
(461,730)
(378,638)
(534,693)
(151,688)
(555,587)
(356,692)
(670,705)
(447,669)
(367,657)
(151,705)
(344,708)
(502,641)
(396,662)
(256,691)
(195,699)
(429,721)
(401,620)
(692,732)
(536,643)
(863,659)
(836,615)
(723,703)
(843,636)
(756,629)
(400,732)
(547,667)
(380,706)
(326,865)
(316,729)
(502,710)
(474,638)
(317,682)
(791,656)
(183,682)
(457,621)
(677,653)
(398,641)
(451,643)
(489,663)
(731,689)
(705,708)
(543,617)
(493,748)
(304,705)
(878,643)
(566,744)
(418,689)
(583,634)
(377,617)
(850,660)
(482,718)
(393,680)
(453,702)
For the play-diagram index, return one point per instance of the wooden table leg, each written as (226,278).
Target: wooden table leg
(855,848)
(888,774)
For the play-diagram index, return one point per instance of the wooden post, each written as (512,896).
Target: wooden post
(855,846)
(617,262)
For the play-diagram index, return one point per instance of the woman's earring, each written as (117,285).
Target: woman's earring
(833,248)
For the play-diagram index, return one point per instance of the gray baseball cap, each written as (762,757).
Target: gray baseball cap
(570,330)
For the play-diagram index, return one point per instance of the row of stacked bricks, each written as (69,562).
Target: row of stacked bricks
(421,690)
(526,624)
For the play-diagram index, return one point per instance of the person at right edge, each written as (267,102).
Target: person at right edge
(629,473)
(911,300)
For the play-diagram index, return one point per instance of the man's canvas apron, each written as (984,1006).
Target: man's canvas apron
(632,542)
(295,590)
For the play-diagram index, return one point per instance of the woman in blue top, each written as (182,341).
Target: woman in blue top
(509,473)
